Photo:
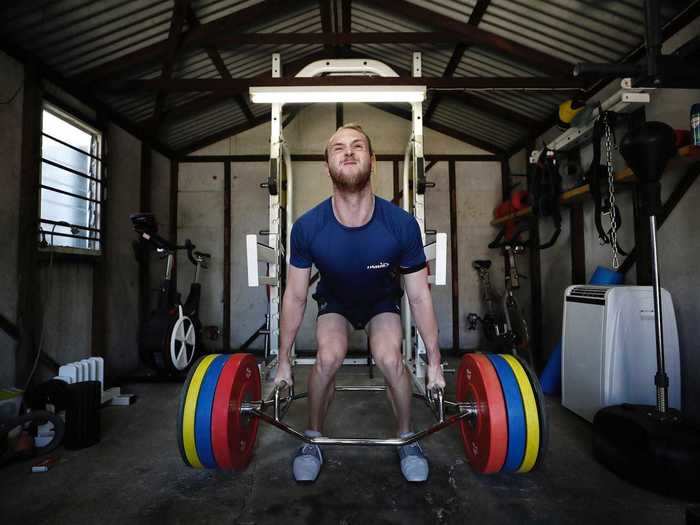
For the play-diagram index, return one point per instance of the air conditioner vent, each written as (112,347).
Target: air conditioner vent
(588,292)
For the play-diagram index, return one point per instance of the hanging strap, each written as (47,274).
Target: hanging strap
(547,191)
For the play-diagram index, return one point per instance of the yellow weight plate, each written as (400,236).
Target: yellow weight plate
(532,422)
(188,439)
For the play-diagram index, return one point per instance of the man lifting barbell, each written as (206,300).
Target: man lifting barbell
(361,245)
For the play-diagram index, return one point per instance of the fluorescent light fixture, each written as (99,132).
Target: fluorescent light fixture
(331,94)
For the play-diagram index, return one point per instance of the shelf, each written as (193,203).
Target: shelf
(580,192)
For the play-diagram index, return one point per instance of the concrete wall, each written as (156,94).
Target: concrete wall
(122,271)
(11,79)
(200,212)
(677,239)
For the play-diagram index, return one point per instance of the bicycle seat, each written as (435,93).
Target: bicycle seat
(481,264)
(202,255)
(144,222)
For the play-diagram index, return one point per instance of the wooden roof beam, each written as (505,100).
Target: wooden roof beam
(203,35)
(474,19)
(242,85)
(174,39)
(459,135)
(346,12)
(475,36)
(220,66)
(199,104)
(326,22)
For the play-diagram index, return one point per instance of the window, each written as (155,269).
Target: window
(71,186)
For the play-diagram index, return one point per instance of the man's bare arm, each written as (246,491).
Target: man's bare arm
(421,301)
(293,306)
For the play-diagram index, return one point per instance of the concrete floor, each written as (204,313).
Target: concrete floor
(135,475)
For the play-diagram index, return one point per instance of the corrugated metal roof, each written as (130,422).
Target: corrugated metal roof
(573,30)
(477,123)
(223,116)
(75,36)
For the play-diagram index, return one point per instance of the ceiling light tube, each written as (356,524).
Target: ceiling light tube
(332,94)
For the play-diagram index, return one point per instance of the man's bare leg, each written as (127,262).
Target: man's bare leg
(385,341)
(385,335)
(332,341)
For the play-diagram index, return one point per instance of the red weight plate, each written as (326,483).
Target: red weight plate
(485,436)
(232,434)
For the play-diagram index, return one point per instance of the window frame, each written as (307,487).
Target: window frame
(87,125)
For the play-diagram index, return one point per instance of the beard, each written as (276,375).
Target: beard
(350,183)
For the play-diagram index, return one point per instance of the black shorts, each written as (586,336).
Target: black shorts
(358,316)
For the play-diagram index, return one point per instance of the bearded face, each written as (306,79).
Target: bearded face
(349,160)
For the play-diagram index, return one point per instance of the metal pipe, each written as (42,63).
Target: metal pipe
(405,310)
(365,442)
(653,36)
(661,380)
(169,266)
(270,401)
(289,204)
(369,388)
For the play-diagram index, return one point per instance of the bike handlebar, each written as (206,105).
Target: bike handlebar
(498,242)
(163,244)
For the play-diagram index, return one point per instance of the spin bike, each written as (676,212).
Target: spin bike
(503,324)
(170,338)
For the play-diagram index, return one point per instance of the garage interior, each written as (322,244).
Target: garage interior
(114,108)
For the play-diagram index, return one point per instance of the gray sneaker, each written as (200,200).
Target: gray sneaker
(414,464)
(307,463)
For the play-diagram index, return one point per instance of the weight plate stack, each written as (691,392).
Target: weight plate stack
(517,427)
(532,416)
(188,409)
(202,418)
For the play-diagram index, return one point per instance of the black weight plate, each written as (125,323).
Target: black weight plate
(541,412)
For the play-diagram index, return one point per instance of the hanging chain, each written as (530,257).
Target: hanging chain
(609,146)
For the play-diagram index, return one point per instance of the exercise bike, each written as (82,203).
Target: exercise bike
(170,339)
(503,323)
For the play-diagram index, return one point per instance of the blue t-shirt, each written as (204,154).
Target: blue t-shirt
(358,266)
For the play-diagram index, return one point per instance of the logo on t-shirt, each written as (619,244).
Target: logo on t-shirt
(378,266)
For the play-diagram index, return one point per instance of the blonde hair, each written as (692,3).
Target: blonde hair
(350,125)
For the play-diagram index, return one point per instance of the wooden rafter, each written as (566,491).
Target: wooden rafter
(326,22)
(474,19)
(203,35)
(346,12)
(223,134)
(473,35)
(459,135)
(174,39)
(481,104)
(220,66)
(241,85)
(205,102)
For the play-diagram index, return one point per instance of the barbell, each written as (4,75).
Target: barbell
(499,408)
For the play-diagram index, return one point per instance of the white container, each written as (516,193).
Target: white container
(609,348)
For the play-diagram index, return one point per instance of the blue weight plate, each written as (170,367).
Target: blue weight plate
(517,428)
(202,418)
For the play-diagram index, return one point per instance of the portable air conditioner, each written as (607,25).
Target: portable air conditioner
(609,348)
